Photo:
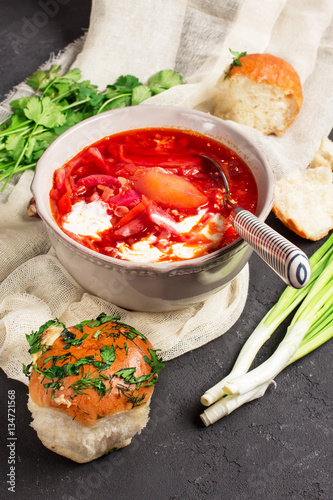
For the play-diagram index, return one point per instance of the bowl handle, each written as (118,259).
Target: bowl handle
(286,259)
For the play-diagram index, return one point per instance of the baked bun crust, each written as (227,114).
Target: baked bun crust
(264,92)
(90,378)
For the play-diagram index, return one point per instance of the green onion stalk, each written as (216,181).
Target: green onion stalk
(311,326)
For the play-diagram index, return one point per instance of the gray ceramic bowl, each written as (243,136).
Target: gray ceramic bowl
(142,286)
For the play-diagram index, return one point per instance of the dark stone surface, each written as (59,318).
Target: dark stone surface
(278,447)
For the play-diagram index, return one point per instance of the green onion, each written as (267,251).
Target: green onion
(311,326)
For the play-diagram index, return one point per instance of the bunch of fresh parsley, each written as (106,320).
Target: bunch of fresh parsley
(59,102)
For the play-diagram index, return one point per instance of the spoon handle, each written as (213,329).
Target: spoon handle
(287,260)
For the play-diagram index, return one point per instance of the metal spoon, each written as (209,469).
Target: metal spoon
(286,259)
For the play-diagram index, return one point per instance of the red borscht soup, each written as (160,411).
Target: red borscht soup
(147,196)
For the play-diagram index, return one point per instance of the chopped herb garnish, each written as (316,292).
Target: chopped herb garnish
(135,400)
(79,407)
(110,451)
(86,382)
(56,358)
(108,355)
(80,326)
(235,61)
(102,318)
(35,338)
(27,369)
(127,374)
(55,385)
(131,332)
(70,338)
(74,369)
(155,362)
(93,324)
(128,393)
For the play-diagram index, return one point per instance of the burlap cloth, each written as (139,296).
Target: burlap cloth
(141,37)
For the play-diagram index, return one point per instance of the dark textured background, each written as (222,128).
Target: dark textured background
(278,447)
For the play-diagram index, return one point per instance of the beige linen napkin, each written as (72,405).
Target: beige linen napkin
(192,37)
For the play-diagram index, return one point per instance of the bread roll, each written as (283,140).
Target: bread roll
(264,92)
(304,199)
(90,386)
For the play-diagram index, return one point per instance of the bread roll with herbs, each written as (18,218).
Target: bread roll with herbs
(259,90)
(90,385)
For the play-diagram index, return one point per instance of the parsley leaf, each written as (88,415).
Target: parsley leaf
(126,83)
(140,94)
(72,75)
(44,112)
(14,145)
(17,104)
(41,79)
(235,62)
(163,80)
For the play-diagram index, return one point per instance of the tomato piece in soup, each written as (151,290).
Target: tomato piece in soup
(65,204)
(170,190)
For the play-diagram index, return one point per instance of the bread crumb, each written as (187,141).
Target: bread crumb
(324,156)
(61,400)
(304,199)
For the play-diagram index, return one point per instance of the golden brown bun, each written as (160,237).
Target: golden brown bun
(304,199)
(265,93)
(93,392)
(90,386)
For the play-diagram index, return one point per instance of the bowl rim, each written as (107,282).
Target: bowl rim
(217,255)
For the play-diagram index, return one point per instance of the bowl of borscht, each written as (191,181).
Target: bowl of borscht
(137,216)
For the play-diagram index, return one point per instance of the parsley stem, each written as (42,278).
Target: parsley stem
(18,161)
(34,133)
(50,84)
(112,99)
(23,168)
(5,120)
(6,167)
(75,104)
(62,96)
(16,130)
